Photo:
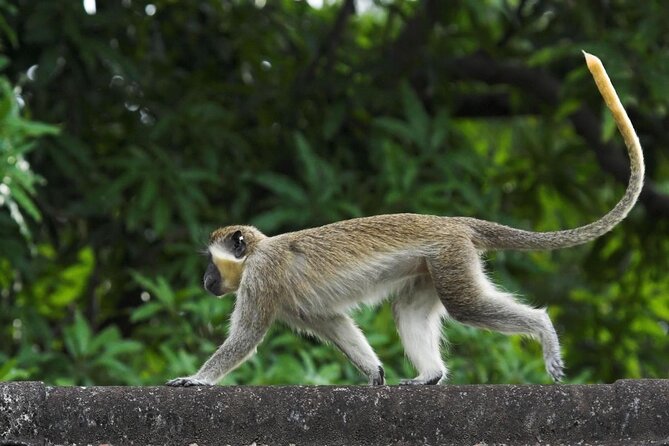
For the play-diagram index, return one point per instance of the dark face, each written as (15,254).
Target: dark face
(212,279)
(223,274)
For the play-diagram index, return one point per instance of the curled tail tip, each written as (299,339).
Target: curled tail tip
(591,60)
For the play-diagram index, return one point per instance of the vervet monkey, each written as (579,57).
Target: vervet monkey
(429,265)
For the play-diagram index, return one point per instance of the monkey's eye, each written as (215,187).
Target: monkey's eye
(238,244)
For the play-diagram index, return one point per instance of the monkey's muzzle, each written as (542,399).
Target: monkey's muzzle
(212,280)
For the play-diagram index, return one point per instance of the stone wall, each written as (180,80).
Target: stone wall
(627,412)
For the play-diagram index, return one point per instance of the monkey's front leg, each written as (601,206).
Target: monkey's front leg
(239,345)
(249,323)
(345,335)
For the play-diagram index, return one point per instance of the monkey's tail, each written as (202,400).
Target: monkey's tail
(489,235)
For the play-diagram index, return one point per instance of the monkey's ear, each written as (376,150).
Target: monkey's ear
(238,244)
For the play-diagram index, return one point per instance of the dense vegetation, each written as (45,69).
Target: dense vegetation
(127,134)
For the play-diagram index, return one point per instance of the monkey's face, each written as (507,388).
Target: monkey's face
(226,263)
(228,250)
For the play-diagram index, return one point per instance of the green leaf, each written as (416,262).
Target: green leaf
(101,342)
(310,162)
(161,216)
(440,125)
(9,371)
(419,120)
(26,203)
(123,347)
(31,128)
(164,292)
(7,30)
(144,282)
(608,126)
(272,220)
(282,186)
(395,127)
(146,311)
(333,120)
(77,336)
(148,193)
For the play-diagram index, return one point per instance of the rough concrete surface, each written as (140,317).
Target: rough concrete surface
(627,412)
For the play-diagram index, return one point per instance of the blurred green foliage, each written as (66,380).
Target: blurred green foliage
(162,123)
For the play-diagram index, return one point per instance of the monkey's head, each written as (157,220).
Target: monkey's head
(228,249)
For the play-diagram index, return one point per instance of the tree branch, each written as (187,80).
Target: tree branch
(328,46)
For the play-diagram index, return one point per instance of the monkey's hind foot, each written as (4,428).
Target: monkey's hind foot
(378,379)
(555,368)
(187,382)
(421,382)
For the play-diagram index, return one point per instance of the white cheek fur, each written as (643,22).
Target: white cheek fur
(219,253)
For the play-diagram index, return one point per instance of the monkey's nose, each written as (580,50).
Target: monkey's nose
(212,284)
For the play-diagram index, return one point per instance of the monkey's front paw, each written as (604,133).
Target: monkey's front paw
(187,381)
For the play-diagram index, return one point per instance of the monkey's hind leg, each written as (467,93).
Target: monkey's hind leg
(470,298)
(418,316)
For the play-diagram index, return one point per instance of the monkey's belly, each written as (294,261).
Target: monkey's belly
(384,278)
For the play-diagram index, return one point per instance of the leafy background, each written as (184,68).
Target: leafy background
(127,134)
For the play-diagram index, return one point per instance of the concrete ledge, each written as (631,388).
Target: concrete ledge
(627,412)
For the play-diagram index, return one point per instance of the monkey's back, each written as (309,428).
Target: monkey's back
(370,257)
